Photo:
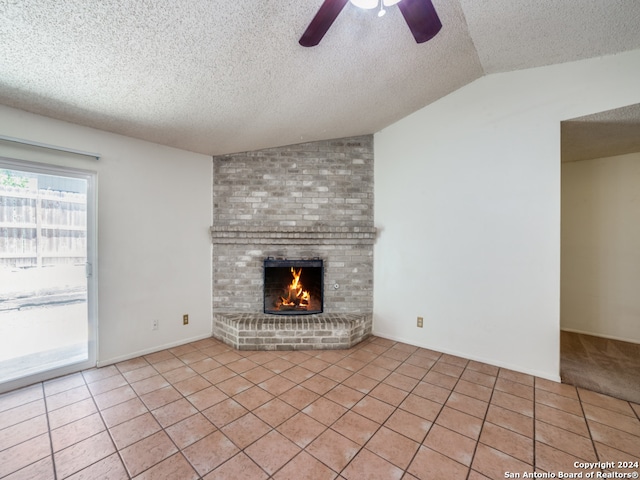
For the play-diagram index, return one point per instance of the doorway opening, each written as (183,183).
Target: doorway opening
(600,261)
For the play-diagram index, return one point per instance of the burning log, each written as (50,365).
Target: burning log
(297,298)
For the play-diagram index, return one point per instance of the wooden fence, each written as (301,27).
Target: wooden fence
(42,227)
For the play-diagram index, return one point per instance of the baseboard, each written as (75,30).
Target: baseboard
(111,361)
(515,368)
(600,335)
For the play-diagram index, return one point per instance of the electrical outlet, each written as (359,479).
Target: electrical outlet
(420,322)
(154,325)
(185,319)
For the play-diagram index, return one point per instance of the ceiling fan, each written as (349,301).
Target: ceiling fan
(420,15)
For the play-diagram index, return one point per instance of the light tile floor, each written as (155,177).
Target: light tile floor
(381,410)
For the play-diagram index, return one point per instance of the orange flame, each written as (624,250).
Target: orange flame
(297,297)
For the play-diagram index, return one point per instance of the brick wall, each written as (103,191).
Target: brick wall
(302,201)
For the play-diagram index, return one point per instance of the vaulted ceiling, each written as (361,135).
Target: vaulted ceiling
(216,77)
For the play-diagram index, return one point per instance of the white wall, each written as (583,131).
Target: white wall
(600,240)
(467,200)
(154,247)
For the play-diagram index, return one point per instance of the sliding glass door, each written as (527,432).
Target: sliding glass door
(47,308)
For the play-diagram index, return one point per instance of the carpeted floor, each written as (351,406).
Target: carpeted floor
(605,366)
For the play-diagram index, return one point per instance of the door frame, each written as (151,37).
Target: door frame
(91,178)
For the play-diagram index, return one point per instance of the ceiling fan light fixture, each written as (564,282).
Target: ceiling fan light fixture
(420,15)
(365,4)
(370,4)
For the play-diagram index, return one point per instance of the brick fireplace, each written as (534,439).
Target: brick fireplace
(306,201)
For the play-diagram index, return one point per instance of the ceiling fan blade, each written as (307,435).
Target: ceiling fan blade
(421,17)
(325,17)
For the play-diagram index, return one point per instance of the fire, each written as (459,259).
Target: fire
(297,297)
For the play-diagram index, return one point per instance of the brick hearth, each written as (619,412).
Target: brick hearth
(257,331)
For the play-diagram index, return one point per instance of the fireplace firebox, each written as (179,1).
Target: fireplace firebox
(293,287)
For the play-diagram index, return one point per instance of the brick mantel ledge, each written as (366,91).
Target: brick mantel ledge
(221,234)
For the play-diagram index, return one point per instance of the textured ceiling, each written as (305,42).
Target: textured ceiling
(227,76)
(603,134)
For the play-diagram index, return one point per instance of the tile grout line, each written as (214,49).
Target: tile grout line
(586,421)
(396,408)
(40,386)
(271,428)
(274,428)
(442,408)
(533,418)
(583,417)
(484,420)
(163,429)
(349,409)
(108,430)
(328,427)
(535,411)
(452,391)
(46,412)
(105,427)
